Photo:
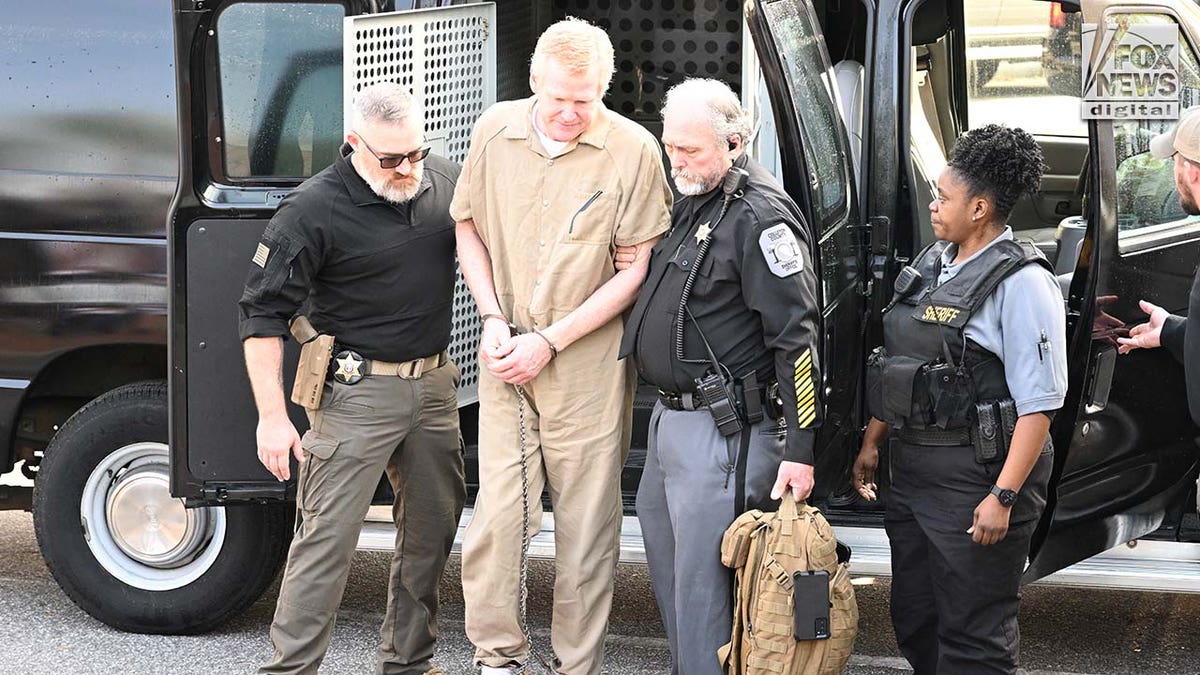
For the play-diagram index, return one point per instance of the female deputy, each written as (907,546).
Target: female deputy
(972,369)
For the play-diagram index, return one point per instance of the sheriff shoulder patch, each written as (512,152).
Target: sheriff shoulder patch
(781,250)
(260,255)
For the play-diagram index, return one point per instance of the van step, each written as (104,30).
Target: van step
(1140,565)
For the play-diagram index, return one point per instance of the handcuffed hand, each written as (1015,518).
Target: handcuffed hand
(794,475)
(863,474)
(493,341)
(991,522)
(523,357)
(277,438)
(1145,335)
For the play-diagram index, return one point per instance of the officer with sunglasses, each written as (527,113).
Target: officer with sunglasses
(367,246)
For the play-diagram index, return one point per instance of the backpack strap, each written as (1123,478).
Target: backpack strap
(735,544)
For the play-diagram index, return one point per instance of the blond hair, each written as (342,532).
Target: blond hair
(578,46)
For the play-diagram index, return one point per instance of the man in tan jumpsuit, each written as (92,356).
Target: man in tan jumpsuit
(552,185)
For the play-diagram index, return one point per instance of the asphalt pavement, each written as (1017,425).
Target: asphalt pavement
(1064,630)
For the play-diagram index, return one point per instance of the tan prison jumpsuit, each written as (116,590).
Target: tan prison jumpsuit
(544,266)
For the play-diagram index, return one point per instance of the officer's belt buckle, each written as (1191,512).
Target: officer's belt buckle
(411,370)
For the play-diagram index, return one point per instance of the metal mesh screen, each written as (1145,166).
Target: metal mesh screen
(517,34)
(658,43)
(446,57)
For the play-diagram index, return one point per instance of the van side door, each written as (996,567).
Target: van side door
(818,174)
(260,96)
(1126,444)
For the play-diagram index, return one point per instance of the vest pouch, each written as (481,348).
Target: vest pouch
(903,401)
(951,395)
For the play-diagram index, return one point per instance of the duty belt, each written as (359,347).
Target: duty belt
(684,401)
(348,367)
(695,401)
(935,437)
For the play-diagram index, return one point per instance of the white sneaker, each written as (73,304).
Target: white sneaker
(507,670)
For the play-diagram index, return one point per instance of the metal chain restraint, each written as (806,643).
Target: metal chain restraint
(524,590)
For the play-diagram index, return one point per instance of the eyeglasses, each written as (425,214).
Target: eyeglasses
(393,161)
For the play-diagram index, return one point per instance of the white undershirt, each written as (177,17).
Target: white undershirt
(553,147)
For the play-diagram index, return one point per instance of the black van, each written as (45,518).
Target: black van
(144,148)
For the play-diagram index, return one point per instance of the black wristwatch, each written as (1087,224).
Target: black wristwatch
(1007,497)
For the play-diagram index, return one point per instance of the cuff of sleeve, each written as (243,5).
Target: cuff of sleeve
(460,213)
(799,446)
(639,237)
(1172,335)
(1041,404)
(261,326)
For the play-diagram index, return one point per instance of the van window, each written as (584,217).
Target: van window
(807,68)
(281,88)
(87,88)
(1146,199)
(1024,66)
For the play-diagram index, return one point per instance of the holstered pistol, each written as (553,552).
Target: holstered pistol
(315,352)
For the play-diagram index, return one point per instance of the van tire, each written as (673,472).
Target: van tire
(118,442)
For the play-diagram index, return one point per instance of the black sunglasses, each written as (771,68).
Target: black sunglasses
(393,161)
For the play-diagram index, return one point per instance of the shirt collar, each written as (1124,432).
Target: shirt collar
(360,192)
(596,135)
(952,250)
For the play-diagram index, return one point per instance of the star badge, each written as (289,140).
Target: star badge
(702,233)
(348,371)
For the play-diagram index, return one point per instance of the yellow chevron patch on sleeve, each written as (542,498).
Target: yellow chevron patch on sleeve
(806,393)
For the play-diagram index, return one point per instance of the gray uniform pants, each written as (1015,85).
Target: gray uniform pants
(685,502)
(410,429)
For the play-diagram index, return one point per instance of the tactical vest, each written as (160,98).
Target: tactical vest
(928,374)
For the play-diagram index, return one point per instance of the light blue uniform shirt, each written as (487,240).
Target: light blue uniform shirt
(1024,323)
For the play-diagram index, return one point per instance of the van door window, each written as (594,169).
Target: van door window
(281,88)
(1147,203)
(800,46)
(1024,66)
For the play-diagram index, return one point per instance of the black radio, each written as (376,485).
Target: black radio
(713,390)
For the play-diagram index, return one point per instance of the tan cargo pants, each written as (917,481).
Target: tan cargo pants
(577,420)
(410,429)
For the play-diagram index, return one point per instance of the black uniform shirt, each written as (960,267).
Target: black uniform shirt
(378,276)
(755,298)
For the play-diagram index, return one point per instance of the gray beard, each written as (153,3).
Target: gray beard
(690,184)
(395,194)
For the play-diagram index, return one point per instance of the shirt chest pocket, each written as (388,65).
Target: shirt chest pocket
(684,260)
(592,216)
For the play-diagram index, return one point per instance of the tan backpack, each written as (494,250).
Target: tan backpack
(765,549)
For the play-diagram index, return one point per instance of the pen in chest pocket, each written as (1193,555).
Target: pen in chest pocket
(583,208)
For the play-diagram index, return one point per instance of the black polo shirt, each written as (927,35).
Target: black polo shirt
(378,276)
(754,298)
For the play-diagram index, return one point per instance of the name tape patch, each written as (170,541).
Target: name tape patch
(781,250)
(260,255)
(941,314)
